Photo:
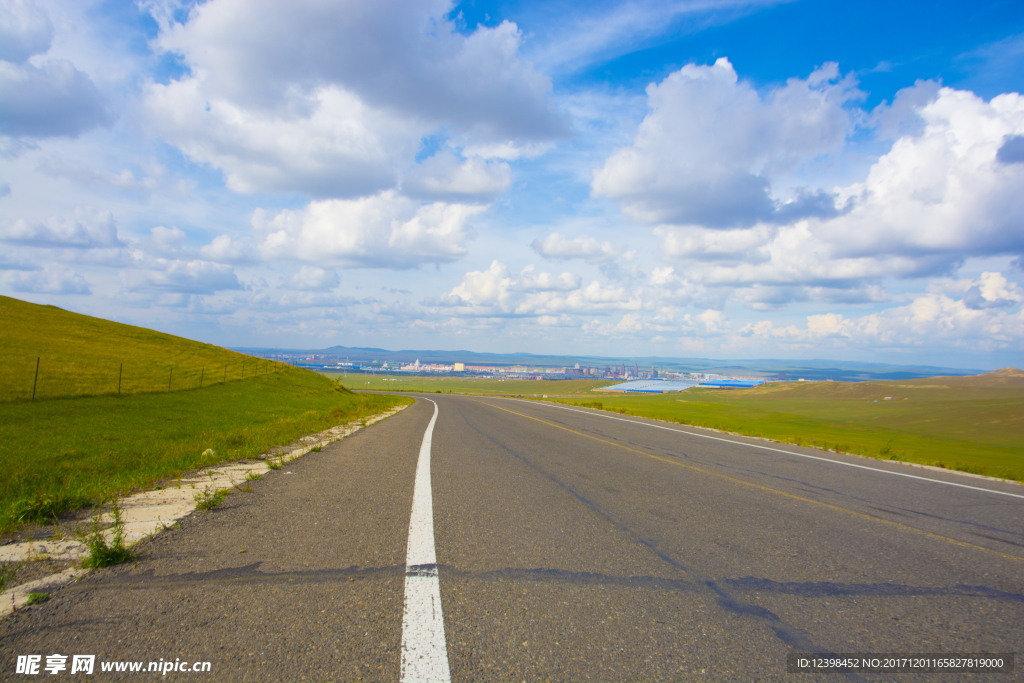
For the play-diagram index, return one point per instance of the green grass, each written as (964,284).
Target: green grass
(80,442)
(458,385)
(62,454)
(101,552)
(969,424)
(79,355)
(208,499)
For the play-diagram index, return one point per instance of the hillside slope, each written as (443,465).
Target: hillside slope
(79,355)
(84,442)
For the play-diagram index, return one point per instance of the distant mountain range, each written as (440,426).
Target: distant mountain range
(848,371)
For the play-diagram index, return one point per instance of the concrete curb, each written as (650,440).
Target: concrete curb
(148,513)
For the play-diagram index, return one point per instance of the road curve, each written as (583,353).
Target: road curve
(570,545)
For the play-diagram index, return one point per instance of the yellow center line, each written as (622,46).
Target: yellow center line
(763,488)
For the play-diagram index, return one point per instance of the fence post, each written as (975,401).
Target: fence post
(169,378)
(120,371)
(36,380)
(201,375)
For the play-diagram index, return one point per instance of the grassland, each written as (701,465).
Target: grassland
(79,355)
(59,454)
(485,387)
(65,453)
(972,424)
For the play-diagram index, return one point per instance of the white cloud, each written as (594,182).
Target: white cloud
(25,30)
(928,321)
(334,145)
(941,192)
(531,281)
(703,244)
(49,98)
(446,177)
(381,231)
(313,279)
(167,241)
(87,230)
(330,99)
(287,302)
(937,197)
(494,292)
(711,144)
(993,291)
(667,323)
(584,247)
(181,277)
(47,281)
(223,249)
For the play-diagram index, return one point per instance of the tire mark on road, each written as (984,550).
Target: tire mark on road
(768,489)
(792,636)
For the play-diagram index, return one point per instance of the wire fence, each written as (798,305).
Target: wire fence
(46,378)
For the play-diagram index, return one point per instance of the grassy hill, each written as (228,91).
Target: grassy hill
(974,424)
(79,355)
(63,453)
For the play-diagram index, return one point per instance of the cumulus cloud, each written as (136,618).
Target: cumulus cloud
(181,277)
(928,320)
(938,196)
(556,246)
(261,102)
(747,246)
(530,280)
(495,292)
(288,302)
(446,177)
(941,192)
(87,230)
(313,279)
(334,146)
(665,324)
(25,30)
(708,150)
(167,241)
(41,100)
(993,290)
(53,100)
(47,281)
(380,231)
(224,249)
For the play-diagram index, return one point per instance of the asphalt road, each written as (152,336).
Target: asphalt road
(570,545)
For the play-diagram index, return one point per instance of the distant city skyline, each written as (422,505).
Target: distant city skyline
(719,179)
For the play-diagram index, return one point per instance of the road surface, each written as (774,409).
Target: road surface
(570,545)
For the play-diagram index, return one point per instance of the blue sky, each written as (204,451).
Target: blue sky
(714,178)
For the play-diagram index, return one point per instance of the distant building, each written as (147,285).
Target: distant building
(460,367)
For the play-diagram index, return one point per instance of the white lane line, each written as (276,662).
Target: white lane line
(424,650)
(779,450)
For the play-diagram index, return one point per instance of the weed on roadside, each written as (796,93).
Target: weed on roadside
(104,554)
(37,598)
(208,498)
(316,449)
(8,570)
(274,464)
(253,476)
